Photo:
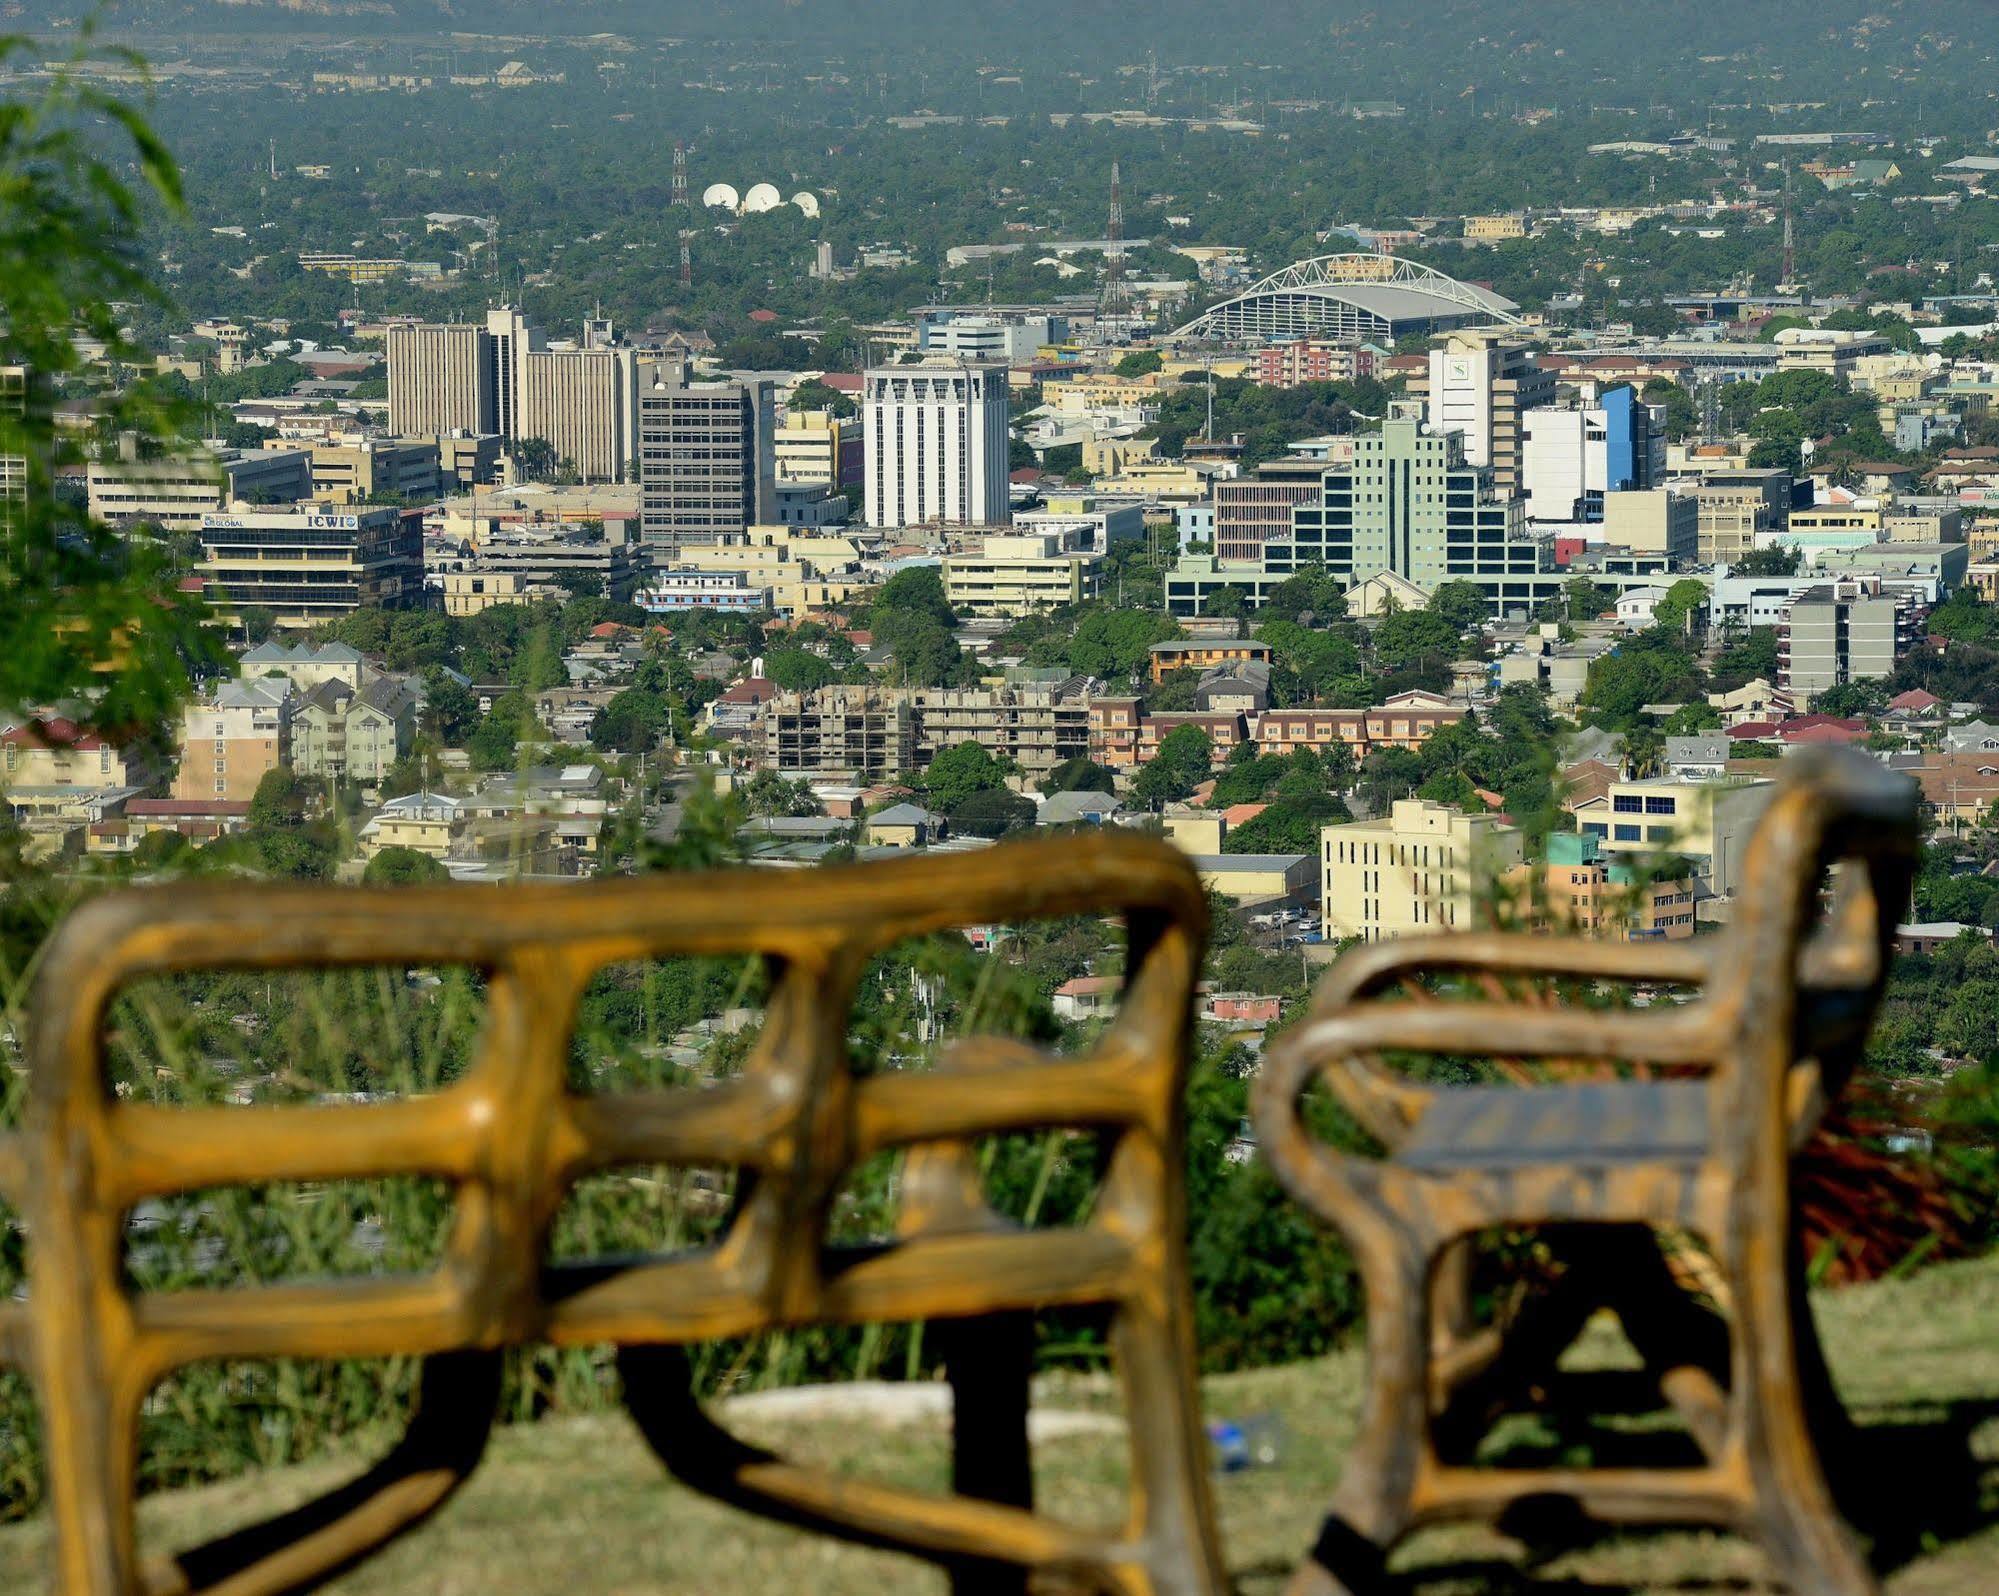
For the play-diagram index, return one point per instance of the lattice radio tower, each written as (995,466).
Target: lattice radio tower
(680,173)
(1114,236)
(1790,240)
(686,268)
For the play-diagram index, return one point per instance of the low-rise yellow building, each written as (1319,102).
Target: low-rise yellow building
(1423,867)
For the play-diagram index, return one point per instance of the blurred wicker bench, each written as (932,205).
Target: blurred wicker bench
(1690,1125)
(512,1140)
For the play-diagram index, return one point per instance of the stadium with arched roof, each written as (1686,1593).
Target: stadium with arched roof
(1348,297)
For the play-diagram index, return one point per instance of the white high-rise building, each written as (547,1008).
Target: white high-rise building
(1478,383)
(936,444)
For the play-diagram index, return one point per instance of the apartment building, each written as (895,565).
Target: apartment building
(1849,630)
(1200,654)
(304,665)
(1424,867)
(314,563)
(801,569)
(174,495)
(230,743)
(52,755)
(707,459)
(686,588)
(1404,720)
(844,733)
(340,734)
(1478,382)
(1302,360)
(1015,574)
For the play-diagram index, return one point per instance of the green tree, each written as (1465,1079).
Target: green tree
(1184,758)
(1684,600)
(281,802)
(92,620)
(920,589)
(449,709)
(1111,644)
(1080,774)
(1140,363)
(992,812)
(1463,605)
(535,460)
(798,670)
(1408,636)
(958,772)
(403,867)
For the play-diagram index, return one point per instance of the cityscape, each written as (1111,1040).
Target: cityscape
(1459,470)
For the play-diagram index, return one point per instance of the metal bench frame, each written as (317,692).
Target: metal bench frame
(1779,1023)
(512,1140)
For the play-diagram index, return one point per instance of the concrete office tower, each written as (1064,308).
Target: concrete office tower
(440,381)
(1477,383)
(508,337)
(504,378)
(585,403)
(936,444)
(707,464)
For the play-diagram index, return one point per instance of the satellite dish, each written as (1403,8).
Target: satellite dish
(808,203)
(762,197)
(720,196)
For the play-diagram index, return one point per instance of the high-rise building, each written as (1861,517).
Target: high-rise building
(506,378)
(936,444)
(1572,456)
(440,380)
(1408,503)
(584,403)
(1254,510)
(707,463)
(1479,382)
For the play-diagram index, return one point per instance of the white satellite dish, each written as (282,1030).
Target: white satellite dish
(719,196)
(808,203)
(762,197)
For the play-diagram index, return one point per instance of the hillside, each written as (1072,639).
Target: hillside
(578,1507)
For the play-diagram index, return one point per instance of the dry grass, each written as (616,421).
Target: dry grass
(577,1507)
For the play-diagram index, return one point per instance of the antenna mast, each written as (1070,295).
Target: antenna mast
(686,267)
(680,173)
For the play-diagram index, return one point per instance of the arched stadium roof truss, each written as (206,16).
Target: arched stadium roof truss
(1347,297)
